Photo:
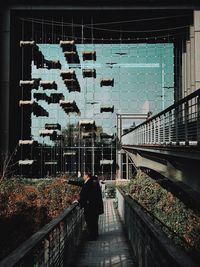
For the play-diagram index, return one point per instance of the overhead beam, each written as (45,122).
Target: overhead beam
(181,171)
(197,47)
(106,6)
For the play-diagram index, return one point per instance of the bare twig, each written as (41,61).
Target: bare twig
(7,158)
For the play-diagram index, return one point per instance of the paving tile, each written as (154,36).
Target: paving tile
(111,248)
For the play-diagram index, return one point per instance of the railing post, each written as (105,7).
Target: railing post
(127,167)
(170,126)
(141,135)
(138,136)
(154,135)
(198,120)
(50,246)
(176,125)
(146,133)
(164,120)
(158,129)
(151,132)
(46,252)
(186,122)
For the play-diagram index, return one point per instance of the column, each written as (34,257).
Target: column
(192,59)
(188,67)
(184,81)
(127,167)
(197,47)
(5,83)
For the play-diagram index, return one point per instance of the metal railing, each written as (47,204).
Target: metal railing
(151,246)
(53,245)
(179,124)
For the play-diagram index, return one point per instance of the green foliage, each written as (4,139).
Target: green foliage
(26,205)
(166,207)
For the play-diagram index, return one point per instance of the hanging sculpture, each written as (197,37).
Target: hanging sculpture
(52,126)
(89,55)
(69,106)
(32,84)
(105,108)
(107,82)
(54,98)
(70,52)
(48,85)
(89,73)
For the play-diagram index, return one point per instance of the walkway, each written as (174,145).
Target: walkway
(111,248)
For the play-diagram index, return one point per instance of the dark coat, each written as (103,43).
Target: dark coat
(78,182)
(90,195)
(91,198)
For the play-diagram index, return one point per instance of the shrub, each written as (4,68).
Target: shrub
(166,207)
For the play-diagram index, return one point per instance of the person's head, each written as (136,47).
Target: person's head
(87,175)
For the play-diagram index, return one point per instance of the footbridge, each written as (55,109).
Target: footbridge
(168,144)
(95,65)
(128,237)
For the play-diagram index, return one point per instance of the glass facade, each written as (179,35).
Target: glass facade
(140,79)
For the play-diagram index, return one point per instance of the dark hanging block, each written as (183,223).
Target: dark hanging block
(89,135)
(72,85)
(70,51)
(26,162)
(52,126)
(52,64)
(107,109)
(45,132)
(69,106)
(38,58)
(106,136)
(87,125)
(69,74)
(67,45)
(48,85)
(88,73)
(28,44)
(89,55)
(107,82)
(106,162)
(69,153)
(27,142)
(39,111)
(32,84)
(51,163)
(31,105)
(55,98)
(28,103)
(40,96)
(72,57)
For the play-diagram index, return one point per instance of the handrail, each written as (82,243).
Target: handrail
(148,240)
(44,241)
(178,124)
(173,106)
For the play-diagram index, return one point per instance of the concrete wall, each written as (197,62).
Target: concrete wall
(151,246)
(5,80)
(191,58)
(197,48)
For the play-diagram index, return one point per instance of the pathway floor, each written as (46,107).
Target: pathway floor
(111,248)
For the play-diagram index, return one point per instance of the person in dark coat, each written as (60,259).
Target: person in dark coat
(91,201)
